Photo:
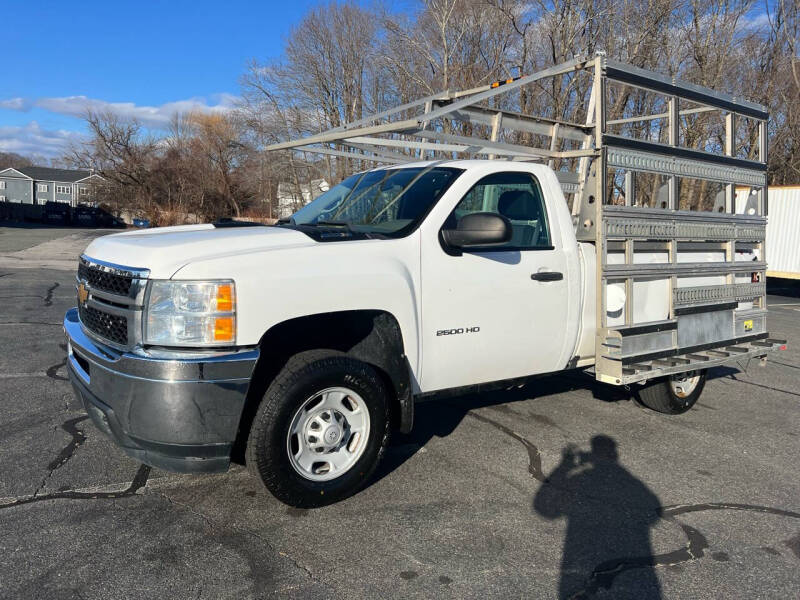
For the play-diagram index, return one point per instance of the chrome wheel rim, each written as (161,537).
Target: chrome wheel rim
(685,384)
(328,434)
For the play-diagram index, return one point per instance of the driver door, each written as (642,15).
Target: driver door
(488,313)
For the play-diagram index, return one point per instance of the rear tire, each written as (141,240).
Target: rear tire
(674,394)
(320,430)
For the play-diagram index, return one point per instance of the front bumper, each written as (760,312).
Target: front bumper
(179,412)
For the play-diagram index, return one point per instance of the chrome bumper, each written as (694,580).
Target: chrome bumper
(178,412)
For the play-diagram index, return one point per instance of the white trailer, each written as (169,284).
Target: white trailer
(783,229)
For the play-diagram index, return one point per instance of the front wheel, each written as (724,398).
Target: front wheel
(321,429)
(674,394)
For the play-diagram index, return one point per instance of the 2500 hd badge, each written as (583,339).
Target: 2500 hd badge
(458,331)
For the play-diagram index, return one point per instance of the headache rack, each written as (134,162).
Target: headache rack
(676,289)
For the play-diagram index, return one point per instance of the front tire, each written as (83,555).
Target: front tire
(320,430)
(674,394)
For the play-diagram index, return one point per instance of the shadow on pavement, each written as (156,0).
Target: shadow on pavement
(783,287)
(609,513)
(440,416)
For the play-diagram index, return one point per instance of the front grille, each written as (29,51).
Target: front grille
(109,301)
(111,327)
(104,281)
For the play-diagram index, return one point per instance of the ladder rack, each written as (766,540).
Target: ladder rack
(715,309)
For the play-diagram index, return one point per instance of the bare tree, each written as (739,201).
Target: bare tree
(343,61)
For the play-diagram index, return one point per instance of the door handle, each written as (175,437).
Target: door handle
(547,276)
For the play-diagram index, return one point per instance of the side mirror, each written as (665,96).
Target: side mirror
(478,229)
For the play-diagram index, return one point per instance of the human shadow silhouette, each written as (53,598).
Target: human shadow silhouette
(609,513)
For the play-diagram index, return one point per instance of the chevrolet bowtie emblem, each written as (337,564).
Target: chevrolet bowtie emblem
(83,293)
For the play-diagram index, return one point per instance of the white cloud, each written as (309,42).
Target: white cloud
(755,21)
(31,139)
(15,104)
(150,116)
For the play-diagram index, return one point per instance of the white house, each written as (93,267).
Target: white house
(289,201)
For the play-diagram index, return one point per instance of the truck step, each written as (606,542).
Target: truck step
(650,368)
(737,349)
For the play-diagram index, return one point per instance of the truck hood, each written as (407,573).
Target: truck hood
(165,250)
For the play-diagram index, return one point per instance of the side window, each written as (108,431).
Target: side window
(516,196)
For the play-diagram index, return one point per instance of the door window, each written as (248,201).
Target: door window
(516,196)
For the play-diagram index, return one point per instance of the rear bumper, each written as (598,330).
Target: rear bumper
(179,412)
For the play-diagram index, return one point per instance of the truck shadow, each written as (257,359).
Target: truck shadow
(439,416)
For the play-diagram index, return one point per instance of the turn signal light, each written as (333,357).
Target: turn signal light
(223,329)
(224,298)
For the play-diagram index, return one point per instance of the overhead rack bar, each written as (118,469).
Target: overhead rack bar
(650,80)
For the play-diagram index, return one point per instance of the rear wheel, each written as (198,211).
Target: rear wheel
(674,394)
(321,429)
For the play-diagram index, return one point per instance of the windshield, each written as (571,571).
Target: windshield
(385,201)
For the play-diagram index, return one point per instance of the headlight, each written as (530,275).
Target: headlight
(190,313)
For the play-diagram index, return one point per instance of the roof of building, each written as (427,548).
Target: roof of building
(50,174)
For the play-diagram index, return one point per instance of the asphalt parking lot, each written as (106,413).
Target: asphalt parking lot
(555,489)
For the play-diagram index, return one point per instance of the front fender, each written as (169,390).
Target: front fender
(275,286)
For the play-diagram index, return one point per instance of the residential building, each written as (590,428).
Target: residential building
(39,185)
(290,201)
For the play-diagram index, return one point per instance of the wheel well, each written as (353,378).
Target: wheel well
(372,336)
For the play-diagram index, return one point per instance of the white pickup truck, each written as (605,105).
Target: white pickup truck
(303,345)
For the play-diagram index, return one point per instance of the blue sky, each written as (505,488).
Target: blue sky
(147,58)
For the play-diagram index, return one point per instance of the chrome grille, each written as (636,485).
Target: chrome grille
(105,281)
(110,301)
(110,327)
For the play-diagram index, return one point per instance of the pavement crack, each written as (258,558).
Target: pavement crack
(682,509)
(793,544)
(603,575)
(208,520)
(78,438)
(766,387)
(52,371)
(139,481)
(214,524)
(48,299)
(783,364)
(534,456)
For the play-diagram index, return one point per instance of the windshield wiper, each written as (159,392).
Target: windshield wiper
(344,224)
(286,221)
(371,235)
